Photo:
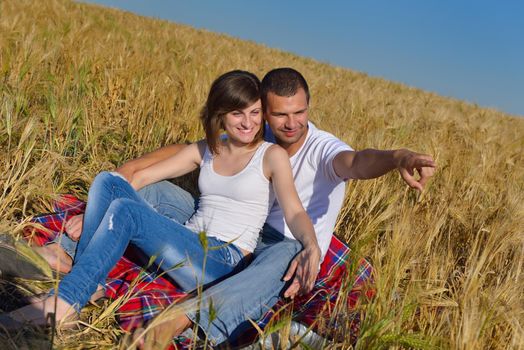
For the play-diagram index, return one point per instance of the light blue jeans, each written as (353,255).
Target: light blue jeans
(166,198)
(226,308)
(245,295)
(115,217)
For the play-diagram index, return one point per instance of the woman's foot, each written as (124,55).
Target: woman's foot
(47,312)
(161,331)
(56,257)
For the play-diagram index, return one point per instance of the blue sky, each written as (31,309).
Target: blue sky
(471,50)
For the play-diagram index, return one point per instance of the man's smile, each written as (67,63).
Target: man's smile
(290,133)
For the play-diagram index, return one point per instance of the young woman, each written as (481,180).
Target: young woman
(240,175)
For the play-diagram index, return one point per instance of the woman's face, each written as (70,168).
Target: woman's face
(242,126)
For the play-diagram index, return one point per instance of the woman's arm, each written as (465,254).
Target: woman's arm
(306,264)
(183,162)
(128,169)
(74,225)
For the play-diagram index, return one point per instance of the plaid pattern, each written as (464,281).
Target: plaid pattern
(144,294)
(45,228)
(320,305)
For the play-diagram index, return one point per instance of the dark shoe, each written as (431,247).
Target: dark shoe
(17,259)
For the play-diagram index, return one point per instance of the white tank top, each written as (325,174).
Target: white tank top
(233,208)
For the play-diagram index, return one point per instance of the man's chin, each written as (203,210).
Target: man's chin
(282,139)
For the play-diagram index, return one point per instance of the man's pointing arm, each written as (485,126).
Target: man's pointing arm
(372,163)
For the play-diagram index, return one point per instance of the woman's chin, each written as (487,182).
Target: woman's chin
(243,142)
(242,139)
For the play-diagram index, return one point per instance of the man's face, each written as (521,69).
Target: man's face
(287,117)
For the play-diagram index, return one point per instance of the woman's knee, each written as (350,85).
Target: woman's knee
(103,179)
(102,176)
(107,181)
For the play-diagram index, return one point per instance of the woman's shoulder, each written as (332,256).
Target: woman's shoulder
(275,154)
(201,145)
(199,149)
(274,158)
(265,146)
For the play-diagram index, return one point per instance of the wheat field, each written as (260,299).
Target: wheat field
(84,88)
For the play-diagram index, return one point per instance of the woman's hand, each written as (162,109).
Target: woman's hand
(304,267)
(73,227)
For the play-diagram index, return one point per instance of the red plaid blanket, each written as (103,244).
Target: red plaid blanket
(144,294)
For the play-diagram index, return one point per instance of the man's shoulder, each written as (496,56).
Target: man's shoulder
(319,134)
(322,149)
(320,137)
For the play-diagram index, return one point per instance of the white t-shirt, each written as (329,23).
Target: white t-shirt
(319,188)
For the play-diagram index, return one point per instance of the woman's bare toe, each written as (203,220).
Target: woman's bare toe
(56,257)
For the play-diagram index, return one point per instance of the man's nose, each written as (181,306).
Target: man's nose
(291,122)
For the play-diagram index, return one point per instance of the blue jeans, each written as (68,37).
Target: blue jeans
(115,217)
(226,307)
(166,198)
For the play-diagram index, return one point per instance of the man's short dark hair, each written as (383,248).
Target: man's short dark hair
(282,82)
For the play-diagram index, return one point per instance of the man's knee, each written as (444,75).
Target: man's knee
(293,246)
(155,189)
(169,200)
(273,261)
(163,191)
(285,249)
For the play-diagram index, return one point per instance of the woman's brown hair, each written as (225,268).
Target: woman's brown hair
(231,91)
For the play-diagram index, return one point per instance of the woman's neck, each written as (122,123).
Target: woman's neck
(232,147)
